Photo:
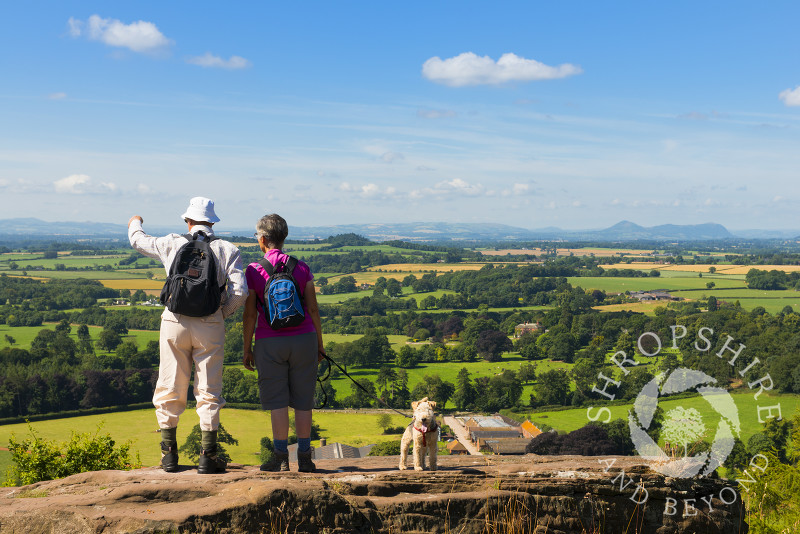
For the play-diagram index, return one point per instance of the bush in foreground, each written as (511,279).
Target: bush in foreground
(36,459)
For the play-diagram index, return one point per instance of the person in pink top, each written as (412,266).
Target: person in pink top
(286,358)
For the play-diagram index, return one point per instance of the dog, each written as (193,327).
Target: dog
(424,433)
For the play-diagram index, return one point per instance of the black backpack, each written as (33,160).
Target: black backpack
(191,287)
(283,301)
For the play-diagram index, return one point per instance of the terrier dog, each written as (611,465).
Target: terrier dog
(424,432)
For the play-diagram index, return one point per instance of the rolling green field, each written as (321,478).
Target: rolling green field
(620,285)
(569,420)
(24,335)
(88,275)
(247,426)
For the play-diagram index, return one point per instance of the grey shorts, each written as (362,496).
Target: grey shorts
(287,371)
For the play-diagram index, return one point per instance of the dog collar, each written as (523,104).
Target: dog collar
(432,428)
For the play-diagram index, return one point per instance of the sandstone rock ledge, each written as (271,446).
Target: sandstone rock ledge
(467,495)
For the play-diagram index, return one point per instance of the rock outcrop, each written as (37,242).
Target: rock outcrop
(467,494)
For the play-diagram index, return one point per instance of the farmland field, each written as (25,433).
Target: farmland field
(24,335)
(568,251)
(620,285)
(568,420)
(247,426)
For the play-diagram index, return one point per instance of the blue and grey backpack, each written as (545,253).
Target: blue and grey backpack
(283,301)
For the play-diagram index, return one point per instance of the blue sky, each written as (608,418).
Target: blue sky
(576,115)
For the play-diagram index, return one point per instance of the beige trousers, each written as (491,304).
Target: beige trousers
(186,340)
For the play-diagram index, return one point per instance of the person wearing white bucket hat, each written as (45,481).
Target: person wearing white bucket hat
(197,335)
(201,209)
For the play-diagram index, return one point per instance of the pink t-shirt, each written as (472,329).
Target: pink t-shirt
(257,281)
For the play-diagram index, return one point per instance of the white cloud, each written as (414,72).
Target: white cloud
(471,69)
(791,97)
(139,36)
(435,113)
(57,96)
(78,184)
(455,187)
(211,61)
(370,190)
(391,157)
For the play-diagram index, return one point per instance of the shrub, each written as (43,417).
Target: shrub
(387,448)
(36,459)
(394,430)
(193,445)
(267,450)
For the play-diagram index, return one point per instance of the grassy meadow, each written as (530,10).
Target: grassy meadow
(24,335)
(569,420)
(247,426)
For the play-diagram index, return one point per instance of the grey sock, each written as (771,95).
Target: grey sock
(209,440)
(169,435)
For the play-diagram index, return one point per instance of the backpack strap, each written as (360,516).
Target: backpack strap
(287,267)
(206,237)
(264,262)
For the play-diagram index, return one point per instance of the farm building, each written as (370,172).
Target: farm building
(507,446)
(525,328)
(649,296)
(529,430)
(456,447)
(479,436)
(333,451)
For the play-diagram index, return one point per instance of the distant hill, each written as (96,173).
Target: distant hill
(628,231)
(31,228)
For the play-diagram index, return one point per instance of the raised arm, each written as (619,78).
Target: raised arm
(153,247)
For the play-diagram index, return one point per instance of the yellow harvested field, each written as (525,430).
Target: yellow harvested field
(731,269)
(641,307)
(701,268)
(133,284)
(635,265)
(427,267)
(600,252)
(370,277)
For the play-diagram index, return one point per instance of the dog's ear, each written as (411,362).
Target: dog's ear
(425,399)
(414,405)
(432,404)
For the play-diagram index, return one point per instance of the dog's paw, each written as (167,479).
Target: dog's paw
(418,469)
(402,467)
(433,468)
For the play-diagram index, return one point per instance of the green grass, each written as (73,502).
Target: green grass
(620,285)
(397,341)
(89,275)
(569,420)
(5,462)
(72,261)
(247,426)
(24,335)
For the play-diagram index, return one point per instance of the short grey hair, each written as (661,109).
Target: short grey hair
(274,228)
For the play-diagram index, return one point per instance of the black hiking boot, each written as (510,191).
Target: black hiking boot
(278,462)
(304,463)
(210,463)
(169,457)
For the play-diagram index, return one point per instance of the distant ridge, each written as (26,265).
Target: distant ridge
(32,228)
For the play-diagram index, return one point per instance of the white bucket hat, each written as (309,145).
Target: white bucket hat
(201,209)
